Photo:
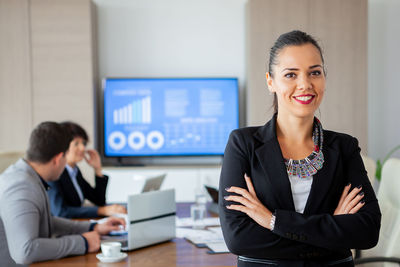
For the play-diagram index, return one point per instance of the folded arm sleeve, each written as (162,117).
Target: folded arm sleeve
(62,226)
(60,208)
(21,218)
(360,230)
(242,234)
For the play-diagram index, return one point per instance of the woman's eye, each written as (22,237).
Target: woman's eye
(290,75)
(316,73)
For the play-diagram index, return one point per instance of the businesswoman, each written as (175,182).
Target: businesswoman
(68,193)
(292,193)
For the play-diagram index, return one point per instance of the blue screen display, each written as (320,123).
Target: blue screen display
(169,117)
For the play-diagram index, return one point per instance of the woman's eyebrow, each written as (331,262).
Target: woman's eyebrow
(289,69)
(296,69)
(316,66)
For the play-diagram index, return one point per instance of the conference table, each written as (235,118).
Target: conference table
(177,252)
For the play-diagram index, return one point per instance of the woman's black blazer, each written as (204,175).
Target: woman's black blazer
(315,234)
(65,201)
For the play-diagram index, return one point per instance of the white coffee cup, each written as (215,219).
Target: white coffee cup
(111,249)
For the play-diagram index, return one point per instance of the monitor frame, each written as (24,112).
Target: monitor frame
(156,160)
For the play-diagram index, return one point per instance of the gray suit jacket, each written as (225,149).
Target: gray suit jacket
(28,232)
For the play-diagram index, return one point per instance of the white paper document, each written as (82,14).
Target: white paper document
(188,222)
(211,238)
(190,233)
(217,247)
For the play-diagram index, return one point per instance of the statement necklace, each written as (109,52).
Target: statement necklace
(309,166)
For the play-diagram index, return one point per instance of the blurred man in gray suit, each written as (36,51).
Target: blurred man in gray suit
(28,232)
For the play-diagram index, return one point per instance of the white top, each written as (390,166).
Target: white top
(301,188)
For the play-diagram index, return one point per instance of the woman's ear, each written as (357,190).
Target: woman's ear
(269,82)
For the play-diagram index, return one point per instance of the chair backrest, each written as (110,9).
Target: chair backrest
(9,157)
(389,202)
(370,166)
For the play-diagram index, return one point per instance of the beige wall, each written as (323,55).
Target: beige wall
(46,66)
(15,75)
(341,28)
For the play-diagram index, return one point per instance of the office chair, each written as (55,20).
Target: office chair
(387,252)
(370,166)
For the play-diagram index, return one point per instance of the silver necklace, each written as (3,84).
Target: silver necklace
(309,166)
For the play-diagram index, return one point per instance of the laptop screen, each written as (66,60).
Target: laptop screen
(213,193)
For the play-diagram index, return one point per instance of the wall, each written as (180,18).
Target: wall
(62,66)
(175,38)
(46,67)
(15,75)
(206,38)
(343,39)
(383,82)
(160,38)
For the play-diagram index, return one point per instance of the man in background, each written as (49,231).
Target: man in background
(28,232)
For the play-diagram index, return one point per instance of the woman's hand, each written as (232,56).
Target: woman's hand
(111,210)
(92,157)
(350,203)
(250,204)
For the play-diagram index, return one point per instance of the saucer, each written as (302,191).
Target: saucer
(103,258)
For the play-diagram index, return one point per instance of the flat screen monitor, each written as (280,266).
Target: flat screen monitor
(167,117)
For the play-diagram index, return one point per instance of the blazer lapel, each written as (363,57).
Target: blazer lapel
(69,188)
(323,179)
(270,156)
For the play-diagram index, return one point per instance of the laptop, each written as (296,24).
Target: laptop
(151,219)
(121,186)
(213,192)
(153,183)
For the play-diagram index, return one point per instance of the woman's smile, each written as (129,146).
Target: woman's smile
(304,99)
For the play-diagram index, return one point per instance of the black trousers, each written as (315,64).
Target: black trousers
(249,262)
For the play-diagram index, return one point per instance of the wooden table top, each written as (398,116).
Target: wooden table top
(177,252)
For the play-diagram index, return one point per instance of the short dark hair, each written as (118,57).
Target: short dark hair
(295,38)
(75,130)
(46,141)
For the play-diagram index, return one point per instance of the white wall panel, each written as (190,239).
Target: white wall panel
(15,75)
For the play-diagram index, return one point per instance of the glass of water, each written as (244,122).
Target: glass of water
(197,213)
